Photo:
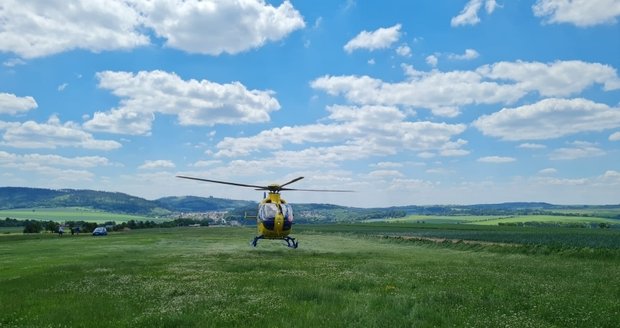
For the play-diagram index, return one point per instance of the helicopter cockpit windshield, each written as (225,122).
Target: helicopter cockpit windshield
(267,213)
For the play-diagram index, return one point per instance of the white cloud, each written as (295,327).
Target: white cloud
(454,149)
(202,103)
(12,104)
(12,62)
(582,13)
(379,39)
(439,170)
(63,86)
(157,164)
(496,159)
(469,14)
(214,27)
(579,149)
(50,170)
(205,163)
(349,4)
(426,154)
(31,28)
(454,152)
(432,60)
(532,146)
(561,181)
(386,165)
(237,168)
(548,171)
(549,118)
(468,55)
(403,51)
(615,136)
(353,133)
(404,184)
(445,92)
(611,177)
(317,23)
(382,174)
(557,79)
(37,160)
(51,135)
(490,6)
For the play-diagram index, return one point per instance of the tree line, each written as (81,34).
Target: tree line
(37,226)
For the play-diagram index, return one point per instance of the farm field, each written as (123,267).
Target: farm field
(611,211)
(71,214)
(437,219)
(497,219)
(545,219)
(342,275)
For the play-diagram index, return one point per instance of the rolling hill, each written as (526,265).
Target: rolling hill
(116,202)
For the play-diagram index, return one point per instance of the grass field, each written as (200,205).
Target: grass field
(340,276)
(10,230)
(71,214)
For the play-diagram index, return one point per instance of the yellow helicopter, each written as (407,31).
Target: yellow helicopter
(275,216)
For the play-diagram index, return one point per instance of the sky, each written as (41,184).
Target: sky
(404,102)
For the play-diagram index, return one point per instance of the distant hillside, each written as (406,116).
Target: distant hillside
(116,202)
(480,209)
(201,204)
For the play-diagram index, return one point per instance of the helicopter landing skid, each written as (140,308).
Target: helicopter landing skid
(255,241)
(290,242)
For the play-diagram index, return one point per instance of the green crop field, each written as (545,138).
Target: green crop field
(71,214)
(438,219)
(601,212)
(497,219)
(545,219)
(341,276)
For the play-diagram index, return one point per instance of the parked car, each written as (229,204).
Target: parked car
(100,231)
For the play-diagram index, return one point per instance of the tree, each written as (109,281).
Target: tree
(32,226)
(51,226)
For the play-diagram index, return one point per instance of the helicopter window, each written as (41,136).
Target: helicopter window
(287,211)
(268,211)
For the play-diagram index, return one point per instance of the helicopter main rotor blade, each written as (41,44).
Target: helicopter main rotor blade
(319,190)
(222,182)
(294,180)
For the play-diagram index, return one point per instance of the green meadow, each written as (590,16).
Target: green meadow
(11,230)
(71,214)
(365,275)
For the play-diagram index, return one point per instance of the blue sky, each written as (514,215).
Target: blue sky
(406,102)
